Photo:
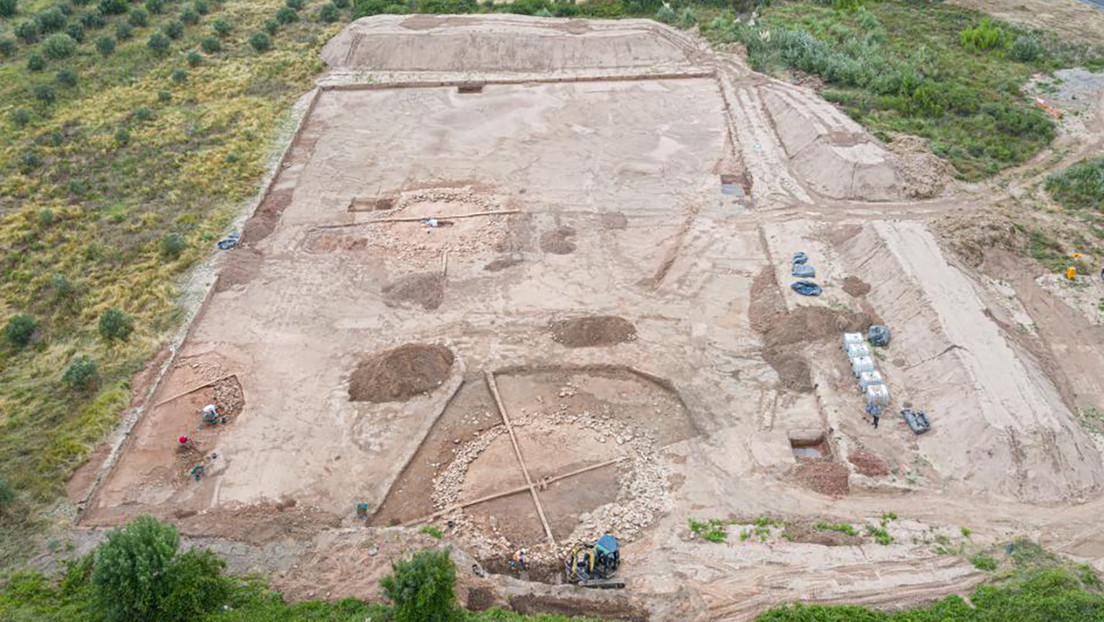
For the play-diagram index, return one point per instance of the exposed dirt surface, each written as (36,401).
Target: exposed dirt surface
(558,241)
(400,374)
(598,330)
(868,463)
(806,532)
(856,287)
(573,606)
(825,477)
(503,263)
(424,290)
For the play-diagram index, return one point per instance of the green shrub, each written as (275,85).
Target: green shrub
(1025,49)
(194,59)
(27,31)
(159,44)
(329,14)
(843,528)
(35,62)
(20,117)
(422,588)
(8,8)
(142,113)
(173,29)
(1079,186)
(138,17)
(687,19)
(196,587)
(7,496)
(431,531)
(189,16)
(105,45)
(113,7)
(65,7)
(199,6)
(66,77)
(123,31)
(260,41)
(984,562)
(222,27)
(211,45)
(81,375)
(366,8)
(19,330)
(122,137)
(180,76)
(115,325)
(172,245)
(28,161)
(712,530)
(77,187)
(7,47)
(294,5)
(287,15)
(155,7)
(164,96)
(665,14)
(983,37)
(45,217)
(63,287)
(51,20)
(93,20)
(45,93)
(341,4)
(75,32)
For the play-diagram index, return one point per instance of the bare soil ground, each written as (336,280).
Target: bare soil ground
(538,313)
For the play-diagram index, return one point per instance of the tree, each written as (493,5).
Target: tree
(82,374)
(116,325)
(260,41)
(8,8)
(139,577)
(158,43)
(422,588)
(19,330)
(211,45)
(105,45)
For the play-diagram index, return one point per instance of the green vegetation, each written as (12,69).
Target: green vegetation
(712,530)
(984,562)
(1080,187)
(930,69)
(422,588)
(432,532)
(19,330)
(115,325)
(880,534)
(843,528)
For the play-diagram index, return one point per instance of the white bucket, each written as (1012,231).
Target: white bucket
(870,378)
(857,350)
(851,339)
(861,364)
(877,395)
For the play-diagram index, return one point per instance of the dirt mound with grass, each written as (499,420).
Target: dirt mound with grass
(786,334)
(597,330)
(868,463)
(559,241)
(400,374)
(425,289)
(856,287)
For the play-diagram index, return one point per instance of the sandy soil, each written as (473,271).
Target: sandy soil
(599,237)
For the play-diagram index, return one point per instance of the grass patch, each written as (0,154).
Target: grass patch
(1079,187)
(929,69)
(712,530)
(984,562)
(432,532)
(880,534)
(843,528)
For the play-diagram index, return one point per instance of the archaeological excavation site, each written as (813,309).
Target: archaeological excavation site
(520,283)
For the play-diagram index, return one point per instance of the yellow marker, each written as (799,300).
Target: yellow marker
(1071,273)
(1076,255)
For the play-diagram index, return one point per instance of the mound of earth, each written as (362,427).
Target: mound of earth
(558,241)
(856,287)
(868,463)
(502,263)
(597,330)
(425,289)
(400,374)
(827,478)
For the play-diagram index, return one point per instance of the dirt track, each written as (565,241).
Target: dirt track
(634,358)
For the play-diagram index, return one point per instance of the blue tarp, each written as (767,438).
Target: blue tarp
(800,258)
(806,288)
(803,271)
(229,242)
(916,420)
(879,335)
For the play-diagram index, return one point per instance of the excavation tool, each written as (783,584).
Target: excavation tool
(594,564)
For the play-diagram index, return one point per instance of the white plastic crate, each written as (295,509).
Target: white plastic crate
(861,364)
(877,395)
(857,350)
(870,378)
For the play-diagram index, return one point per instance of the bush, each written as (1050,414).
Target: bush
(983,37)
(270,27)
(93,20)
(115,325)
(138,18)
(260,41)
(1079,186)
(155,7)
(45,93)
(200,7)
(180,76)
(63,287)
(123,31)
(173,29)
(341,4)
(113,7)
(164,96)
(287,15)
(66,77)
(51,20)
(8,8)
(422,588)
(984,562)
(172,245)
(75,32)
(122,137)
(105,45)
(329,13)
(665,14)
(142,113)
(35,62)
(7,47)
(27,31)
(158,43)
(132,568)
(294,5)
(19,330)
(1025,49)
(20,117)
(687,19)
(211,45)
(7,496)
(59,46)
(189,16)
(81,375)
(222,27)
(28,161)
